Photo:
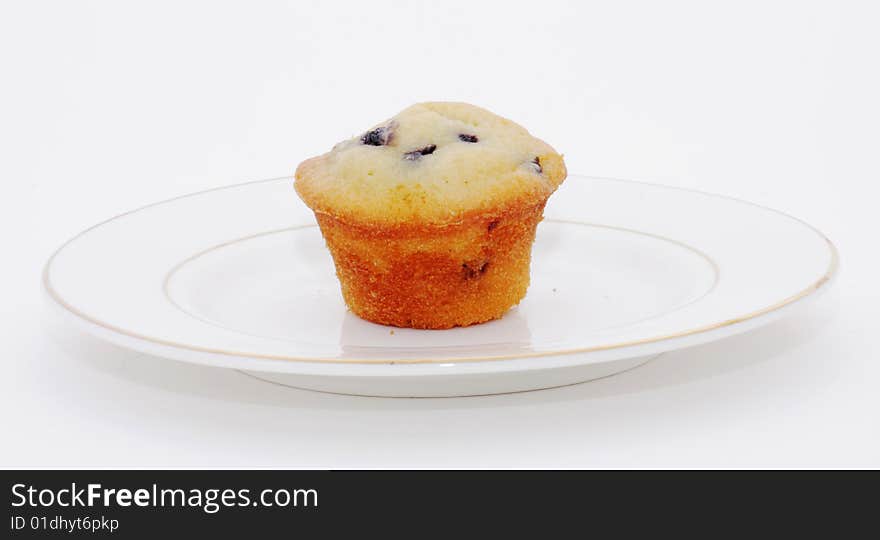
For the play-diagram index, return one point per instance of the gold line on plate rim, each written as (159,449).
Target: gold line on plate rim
(825,279)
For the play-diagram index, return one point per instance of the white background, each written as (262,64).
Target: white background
(107,106)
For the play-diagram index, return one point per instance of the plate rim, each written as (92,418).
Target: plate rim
(702,333)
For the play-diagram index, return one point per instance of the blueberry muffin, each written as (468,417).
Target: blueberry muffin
(430,216)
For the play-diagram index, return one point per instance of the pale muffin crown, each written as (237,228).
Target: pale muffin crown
(433,163)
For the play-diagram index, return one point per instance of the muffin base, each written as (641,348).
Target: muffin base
(434,277)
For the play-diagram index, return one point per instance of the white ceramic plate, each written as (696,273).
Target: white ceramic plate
(238,277)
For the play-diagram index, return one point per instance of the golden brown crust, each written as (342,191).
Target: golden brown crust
(421,276)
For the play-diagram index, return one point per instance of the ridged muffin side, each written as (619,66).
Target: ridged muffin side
(434,277)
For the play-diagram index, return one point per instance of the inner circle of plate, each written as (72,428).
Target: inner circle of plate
(284,287)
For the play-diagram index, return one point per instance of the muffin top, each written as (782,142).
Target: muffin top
(433,163)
